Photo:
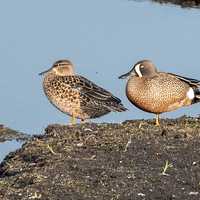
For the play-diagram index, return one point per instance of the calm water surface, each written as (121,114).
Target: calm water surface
(102,38)
(7,147)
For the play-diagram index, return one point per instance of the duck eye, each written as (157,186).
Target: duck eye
(141,66)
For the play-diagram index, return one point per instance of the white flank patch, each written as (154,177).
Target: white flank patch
(137,70)
(190,94)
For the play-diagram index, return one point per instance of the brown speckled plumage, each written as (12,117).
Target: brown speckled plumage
(159,92)
(76,95)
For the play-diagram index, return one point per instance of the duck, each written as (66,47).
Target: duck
(159,92)
(75,95)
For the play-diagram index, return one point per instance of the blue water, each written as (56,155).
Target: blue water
(7,147)
(102,38)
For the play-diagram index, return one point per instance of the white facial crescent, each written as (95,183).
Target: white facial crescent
(137,70)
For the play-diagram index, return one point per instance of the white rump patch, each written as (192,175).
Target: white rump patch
(190,94)
(137,70)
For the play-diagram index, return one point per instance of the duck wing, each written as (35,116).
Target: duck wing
(192,82)
(97,95)
(94,91)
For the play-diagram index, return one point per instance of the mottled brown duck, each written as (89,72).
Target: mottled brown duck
(75,95)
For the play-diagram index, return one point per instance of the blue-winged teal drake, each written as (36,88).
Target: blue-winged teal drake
(158,92)
(75,95)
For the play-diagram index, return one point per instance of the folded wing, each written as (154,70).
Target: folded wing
(192,82)
(98,94)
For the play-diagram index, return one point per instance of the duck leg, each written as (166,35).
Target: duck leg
(72,120)
(157,120)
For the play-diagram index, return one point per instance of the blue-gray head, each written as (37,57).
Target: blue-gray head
(143,68)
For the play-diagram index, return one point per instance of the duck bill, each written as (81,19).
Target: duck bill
(124,76)
(44,72)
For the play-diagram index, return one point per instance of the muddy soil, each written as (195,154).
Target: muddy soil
(132,160)
(7,134)
(182,3)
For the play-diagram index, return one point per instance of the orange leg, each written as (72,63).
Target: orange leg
(157,120)
(73,120)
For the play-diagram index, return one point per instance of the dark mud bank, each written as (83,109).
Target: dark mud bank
(132,160)
(182,3)
(7,134)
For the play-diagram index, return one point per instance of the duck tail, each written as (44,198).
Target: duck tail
(120,108)
(117,107)
(197,96)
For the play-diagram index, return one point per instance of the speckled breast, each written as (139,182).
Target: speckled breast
(158,94)
(63,96)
